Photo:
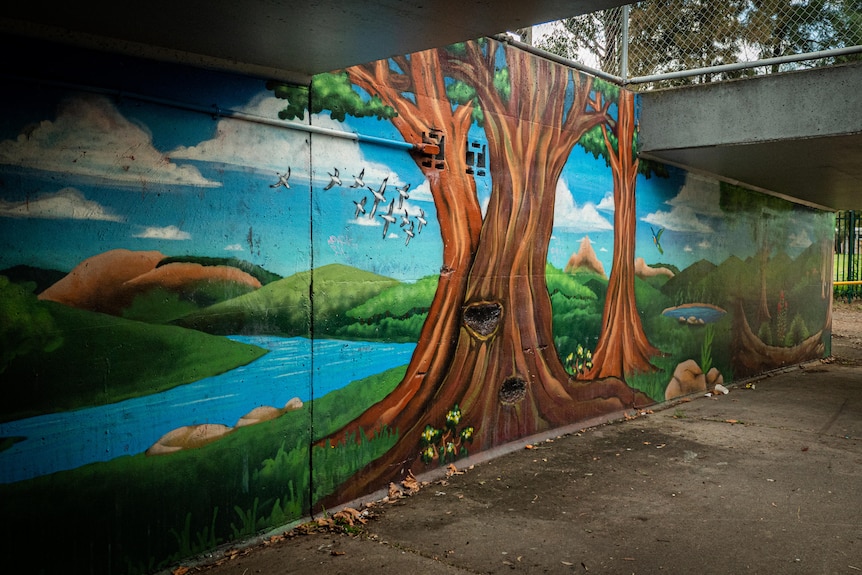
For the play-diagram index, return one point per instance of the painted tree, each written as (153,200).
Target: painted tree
(623,347)
(485,360)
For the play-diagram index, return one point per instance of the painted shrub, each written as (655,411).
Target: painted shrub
(197,307)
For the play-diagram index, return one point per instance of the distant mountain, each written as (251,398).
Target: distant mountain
(254,270)
(112,281)
(42,278)
(689,281)
(585,260)
(284,307)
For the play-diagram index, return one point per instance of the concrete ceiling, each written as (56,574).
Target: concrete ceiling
(292,41)
(284,39)
(797,134)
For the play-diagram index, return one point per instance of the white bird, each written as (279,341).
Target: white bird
(282,180)
(360,206)
(405,218)
(334,180)
(357,180)
(378,197)
(402,195)
(388,218)
(409,232)
(421,219)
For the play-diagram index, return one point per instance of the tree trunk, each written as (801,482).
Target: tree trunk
(623,347)
(503,376)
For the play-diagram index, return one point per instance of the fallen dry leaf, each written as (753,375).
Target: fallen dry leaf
(731,421)
(180,570)
(410,483)
(336,553)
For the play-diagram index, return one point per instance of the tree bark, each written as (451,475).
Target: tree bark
(623,347)
(503,372)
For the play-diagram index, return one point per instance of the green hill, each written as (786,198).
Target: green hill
(104,359)
(283,307)
(41,278)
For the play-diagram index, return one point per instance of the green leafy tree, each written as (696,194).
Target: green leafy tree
(25,324)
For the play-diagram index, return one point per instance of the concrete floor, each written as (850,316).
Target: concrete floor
(766,479)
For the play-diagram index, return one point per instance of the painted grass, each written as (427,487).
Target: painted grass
(146,513)
(106,359)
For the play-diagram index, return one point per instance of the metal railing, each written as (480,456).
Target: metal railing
(847,267)
(662,43)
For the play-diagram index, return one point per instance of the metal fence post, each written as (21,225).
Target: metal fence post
(851,253)
(624,56)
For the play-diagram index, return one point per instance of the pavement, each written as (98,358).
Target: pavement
(765,479)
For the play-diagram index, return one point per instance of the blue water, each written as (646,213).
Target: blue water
(708,314)
(67,440)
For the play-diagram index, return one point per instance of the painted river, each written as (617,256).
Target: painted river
(67,440)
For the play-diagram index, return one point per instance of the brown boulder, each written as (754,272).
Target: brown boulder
(687,378)
(188,437)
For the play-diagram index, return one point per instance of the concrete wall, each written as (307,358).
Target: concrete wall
(228,304)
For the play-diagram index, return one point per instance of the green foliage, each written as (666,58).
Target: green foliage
(462,93)
(797,333)
(579,361)
(397,301)
(577,311)
(386,329)
(330,91)
(764,333)
(203,540)
(26,325)
(502,83)
(706,348)
(335,464)
(446,444)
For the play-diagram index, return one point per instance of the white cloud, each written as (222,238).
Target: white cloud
(679,219)
(568,215)
(233,248)
(166,233)
(704,245)
(688,249)
(422,192)
(91,138)
(603,249)
(607,203)
(700,194)
(247,144)
(66,204)
(364,220)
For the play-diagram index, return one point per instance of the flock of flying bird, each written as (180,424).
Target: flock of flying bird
(408,222)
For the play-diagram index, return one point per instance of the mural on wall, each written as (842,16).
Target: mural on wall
(195,308)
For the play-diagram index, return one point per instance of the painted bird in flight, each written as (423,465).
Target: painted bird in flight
(282,180)
(656,238)
(358,181)
(334,180)
(360,206)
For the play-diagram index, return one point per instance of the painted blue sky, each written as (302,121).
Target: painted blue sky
(84,173)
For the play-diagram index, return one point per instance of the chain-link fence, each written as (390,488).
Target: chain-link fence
(658,43)
(847,268)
